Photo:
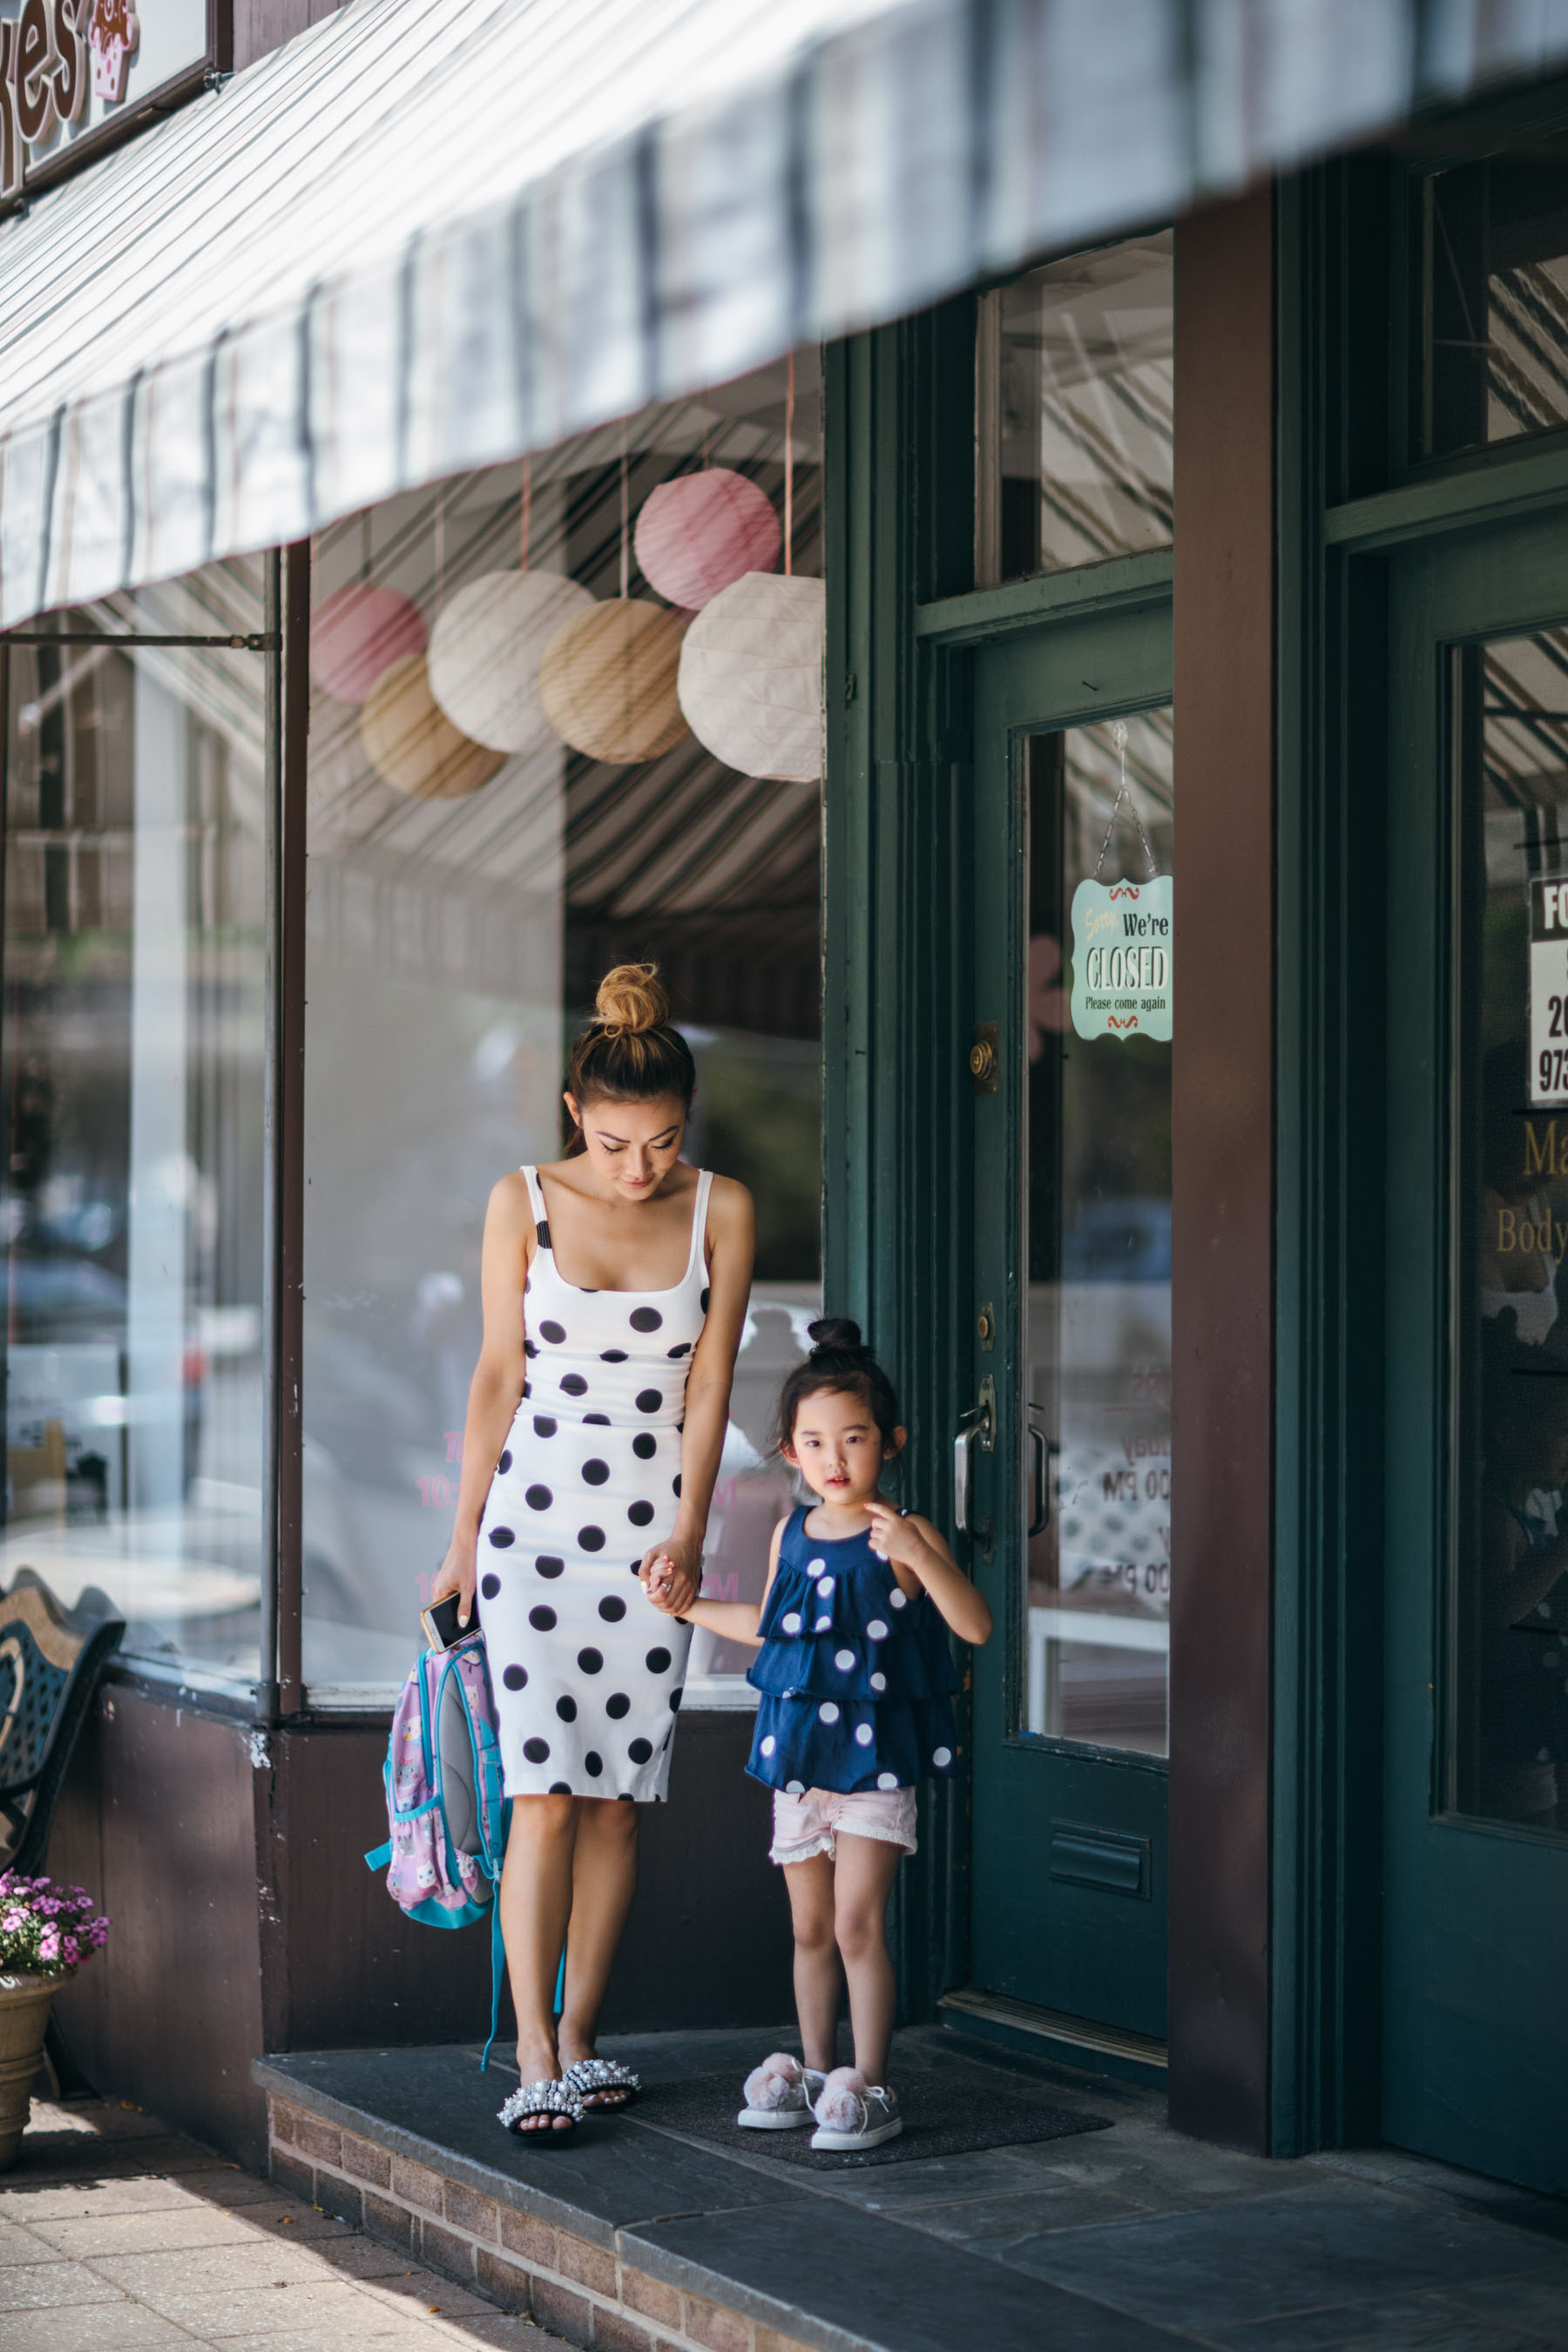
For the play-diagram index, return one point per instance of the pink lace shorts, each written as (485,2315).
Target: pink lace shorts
(806,1824)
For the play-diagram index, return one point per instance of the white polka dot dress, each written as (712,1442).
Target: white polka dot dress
(587,1673)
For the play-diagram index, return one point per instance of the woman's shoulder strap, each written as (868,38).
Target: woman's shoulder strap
(697,1255)
(536,1202)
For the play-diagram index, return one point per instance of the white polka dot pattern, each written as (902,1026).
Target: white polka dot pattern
(587,1674)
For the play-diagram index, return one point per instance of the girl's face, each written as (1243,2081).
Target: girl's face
(837,1447)
(631,1146)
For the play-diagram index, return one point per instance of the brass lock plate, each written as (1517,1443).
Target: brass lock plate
(985,1059)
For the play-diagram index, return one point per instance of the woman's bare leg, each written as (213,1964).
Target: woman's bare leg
(535,1898)
(816,1977)
(603,1875)
(862,1883)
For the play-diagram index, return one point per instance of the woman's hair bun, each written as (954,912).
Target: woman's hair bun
(836,1335)
(632,999)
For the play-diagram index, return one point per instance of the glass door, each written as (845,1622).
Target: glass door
(1476,1536)
(1062,1468)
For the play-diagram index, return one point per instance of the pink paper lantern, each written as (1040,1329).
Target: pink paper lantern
(357,634)
(700,532)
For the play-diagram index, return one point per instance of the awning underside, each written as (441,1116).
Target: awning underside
(430,235)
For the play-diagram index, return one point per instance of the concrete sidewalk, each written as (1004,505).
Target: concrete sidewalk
(118,2236)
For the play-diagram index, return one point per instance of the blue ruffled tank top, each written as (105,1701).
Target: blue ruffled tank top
(856,1679)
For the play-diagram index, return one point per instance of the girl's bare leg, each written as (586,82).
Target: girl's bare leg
(862,1884)
(817,1978)
(535,1898)
(603,1874)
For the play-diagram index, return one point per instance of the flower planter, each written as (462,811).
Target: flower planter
(24,2018)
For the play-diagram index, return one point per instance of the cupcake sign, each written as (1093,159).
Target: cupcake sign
(69,68)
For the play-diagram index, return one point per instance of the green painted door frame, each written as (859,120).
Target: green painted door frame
(898,1176)
(1354,514)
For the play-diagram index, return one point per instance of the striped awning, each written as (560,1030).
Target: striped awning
(430,235)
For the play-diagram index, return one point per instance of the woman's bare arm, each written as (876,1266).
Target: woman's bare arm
(496,1389)
(731,1233)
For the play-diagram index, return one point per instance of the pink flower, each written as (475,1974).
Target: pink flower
(48,1945)
(13,1920)
(70,1952)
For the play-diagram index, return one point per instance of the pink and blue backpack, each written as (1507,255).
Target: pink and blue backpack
(445,1805)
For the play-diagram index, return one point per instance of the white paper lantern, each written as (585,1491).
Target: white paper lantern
(486,649)
(750,677)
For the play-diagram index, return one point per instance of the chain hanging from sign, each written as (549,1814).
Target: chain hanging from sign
(1122,935)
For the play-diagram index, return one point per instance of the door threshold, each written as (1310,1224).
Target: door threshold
(1047,2033)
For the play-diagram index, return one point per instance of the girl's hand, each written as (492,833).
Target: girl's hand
(456,1574)
(672,1572)
(894,1539)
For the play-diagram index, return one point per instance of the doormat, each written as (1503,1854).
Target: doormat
(948,2111)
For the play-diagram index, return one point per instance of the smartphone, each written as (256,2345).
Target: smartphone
(442,1630)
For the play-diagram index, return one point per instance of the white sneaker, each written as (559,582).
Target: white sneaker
(853,2113)
(780,2095)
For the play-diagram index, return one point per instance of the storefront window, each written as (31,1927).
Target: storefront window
(1098,1233)
(462,904)
(1508,1616)
(1074,428)
(134,1067)
(1492,308)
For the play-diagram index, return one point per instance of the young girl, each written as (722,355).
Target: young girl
(857,1682)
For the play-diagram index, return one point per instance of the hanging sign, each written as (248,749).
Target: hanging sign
(1122,957)
(1548,990)
(70,68)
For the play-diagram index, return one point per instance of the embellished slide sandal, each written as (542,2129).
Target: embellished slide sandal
(541,2098)
(588,2078)
(779,2095)
(853,2113)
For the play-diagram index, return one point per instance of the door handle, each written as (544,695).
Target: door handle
(977,1428)
(1040,1481)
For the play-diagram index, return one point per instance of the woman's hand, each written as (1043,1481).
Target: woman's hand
(671,1573)
(456,1574)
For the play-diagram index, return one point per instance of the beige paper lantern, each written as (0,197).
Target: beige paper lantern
(485,651)
(750,677)
(609,680)
(410,740)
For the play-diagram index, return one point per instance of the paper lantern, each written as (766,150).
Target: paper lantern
(703,531)
(359,632)
(750,677)
(486,648)
(609,680)
(411,742)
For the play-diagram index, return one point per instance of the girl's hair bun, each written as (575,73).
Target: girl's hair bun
(835,1335)
(632,999)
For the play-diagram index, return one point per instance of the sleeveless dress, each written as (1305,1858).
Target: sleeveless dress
(587,1673)
(856,1679)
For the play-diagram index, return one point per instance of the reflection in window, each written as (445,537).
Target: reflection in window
(134,1009)
(1098,1206)
(455,943)
(1494,282)
(1075,432)
(1509,1619)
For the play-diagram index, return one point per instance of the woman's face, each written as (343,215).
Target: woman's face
(631,1146)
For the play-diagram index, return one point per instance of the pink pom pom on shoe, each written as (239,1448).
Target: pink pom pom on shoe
(768,2086)
(841,2106)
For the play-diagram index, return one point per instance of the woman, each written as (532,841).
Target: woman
(615,1283)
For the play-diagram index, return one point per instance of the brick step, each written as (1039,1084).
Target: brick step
(562,2258)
